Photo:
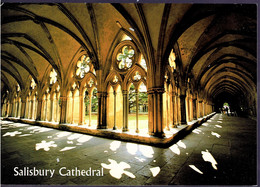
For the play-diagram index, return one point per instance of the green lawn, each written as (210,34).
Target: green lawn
(142,119)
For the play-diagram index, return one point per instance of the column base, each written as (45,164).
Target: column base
(125,130)
(159,134)
(114,128)
(101,127)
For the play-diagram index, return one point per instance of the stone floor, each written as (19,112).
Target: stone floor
(220,151)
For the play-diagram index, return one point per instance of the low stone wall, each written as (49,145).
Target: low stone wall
(123,136)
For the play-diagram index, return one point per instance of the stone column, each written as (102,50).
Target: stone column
(72,116)
(39,111)
(90,109)
(155,113)
(167,108)
(81,104)
(137,108)
(99,117)
(57,107)
(194,108)
(187,108)
(183,109)
(102,97)
(30,110)
(23,108)
(10,109)
(174,109)
(52,110)
(114,128)
(17,109)
(63,109)
(125,111)
(104,110)
(46,108)
(200,109)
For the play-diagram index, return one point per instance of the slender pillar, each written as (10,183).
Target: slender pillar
(46,106)
(22,115)
(17,109)
(183,109)
(167,109)
(52,110)
(30,113)
(200,109)
(174,109)
(102,98)
(194,109)
(104,110)
(177,109)
(155,111)
(125,111)
(99,110)
(81,103)
(90,109)
(72,115)
(114,128)
(39,111)
(63,109)
(137,112)
(7,109)
(57,107)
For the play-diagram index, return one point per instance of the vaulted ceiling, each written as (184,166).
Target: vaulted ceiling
(215,44)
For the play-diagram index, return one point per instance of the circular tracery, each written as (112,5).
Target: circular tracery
(125,57)
(83,66)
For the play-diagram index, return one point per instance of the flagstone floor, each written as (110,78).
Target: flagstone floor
(221,151)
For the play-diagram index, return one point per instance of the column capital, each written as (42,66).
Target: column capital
(63,98)
(124,92)
(156,90)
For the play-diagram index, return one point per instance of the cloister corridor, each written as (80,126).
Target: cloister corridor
(140,93)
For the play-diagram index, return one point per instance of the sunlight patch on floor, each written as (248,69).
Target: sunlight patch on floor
(140,159)
(115,145)
(45,145)
(216,134)
(205,124)
(84,138)
(62,134)
(117,170)
(175,149)
(131,148)
(155,171)
(196,131)
(196,169)
(14,133)
(207,157)
(67,148)
(147,151)
(181,144)
(74,136)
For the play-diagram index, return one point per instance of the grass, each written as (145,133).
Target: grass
(142,120)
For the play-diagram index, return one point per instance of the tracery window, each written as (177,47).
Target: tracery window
(18,88)
(172,59)
(125,57)
(33,84)
(143,63)
(53,76)
(83,66)
(136,76)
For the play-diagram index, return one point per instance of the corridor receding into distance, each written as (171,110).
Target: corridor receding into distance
(128,93)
